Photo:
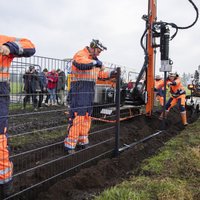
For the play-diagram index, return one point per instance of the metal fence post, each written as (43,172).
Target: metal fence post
(117,132)
(163,125)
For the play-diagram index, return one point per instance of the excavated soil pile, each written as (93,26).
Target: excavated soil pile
(108,172)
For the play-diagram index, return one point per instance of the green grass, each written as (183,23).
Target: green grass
(145,188)
(180,156)
(16,87)
(172,174)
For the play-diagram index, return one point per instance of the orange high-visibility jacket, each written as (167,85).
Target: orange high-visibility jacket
(176,87)
(83,68)
(158,83)
(19,47)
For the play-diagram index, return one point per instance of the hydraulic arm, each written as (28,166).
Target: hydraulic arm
(152,16)
(152,31)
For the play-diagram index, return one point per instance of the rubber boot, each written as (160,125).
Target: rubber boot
(69,151)
(184,118)
(80,147)
(161,117)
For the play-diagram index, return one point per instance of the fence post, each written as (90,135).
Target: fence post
(117,132)
(163,125)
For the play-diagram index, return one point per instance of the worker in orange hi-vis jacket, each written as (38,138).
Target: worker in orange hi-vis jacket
(178,95)
(86,69)
(10,47)
(159,91)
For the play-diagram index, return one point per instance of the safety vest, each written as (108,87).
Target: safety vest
(21,47)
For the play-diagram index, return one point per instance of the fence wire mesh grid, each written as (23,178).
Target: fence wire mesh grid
(39,123)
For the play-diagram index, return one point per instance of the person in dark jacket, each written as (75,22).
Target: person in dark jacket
(43,86)
(60,90)
(31,86)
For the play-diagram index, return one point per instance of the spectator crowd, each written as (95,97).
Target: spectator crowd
(46,88)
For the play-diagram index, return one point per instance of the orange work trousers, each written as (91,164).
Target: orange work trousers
(78,132)
(6,167)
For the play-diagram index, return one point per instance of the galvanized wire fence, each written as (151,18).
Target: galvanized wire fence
(36,134)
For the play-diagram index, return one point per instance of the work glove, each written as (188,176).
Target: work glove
(4,50)
(113,74)
(169,84)
(97,63)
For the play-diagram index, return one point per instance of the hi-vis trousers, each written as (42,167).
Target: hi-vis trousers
(6,167)
(78,132)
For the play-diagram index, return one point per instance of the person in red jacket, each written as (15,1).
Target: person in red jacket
(178,95)
(52,78)
(86,69)
(10,47)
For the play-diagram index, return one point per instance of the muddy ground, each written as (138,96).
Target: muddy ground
(108,172)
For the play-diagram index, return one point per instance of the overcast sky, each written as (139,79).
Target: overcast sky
(60,28)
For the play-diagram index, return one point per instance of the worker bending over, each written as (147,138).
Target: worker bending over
(178,95)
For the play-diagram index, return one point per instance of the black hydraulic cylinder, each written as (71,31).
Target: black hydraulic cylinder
(164,42)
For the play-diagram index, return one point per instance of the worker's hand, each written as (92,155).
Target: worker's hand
(98,63)
(169,84)
(113,74)
(4,50)
(102,68)
(155,90)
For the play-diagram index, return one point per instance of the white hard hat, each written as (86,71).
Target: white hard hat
(173,74)
(158,77)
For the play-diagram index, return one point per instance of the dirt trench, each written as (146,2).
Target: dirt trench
(108,172)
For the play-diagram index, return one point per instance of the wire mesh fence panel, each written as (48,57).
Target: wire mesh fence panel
(41,120)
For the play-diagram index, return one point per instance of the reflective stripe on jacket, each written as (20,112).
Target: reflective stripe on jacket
(18,48)
(176,87)
(83,68)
